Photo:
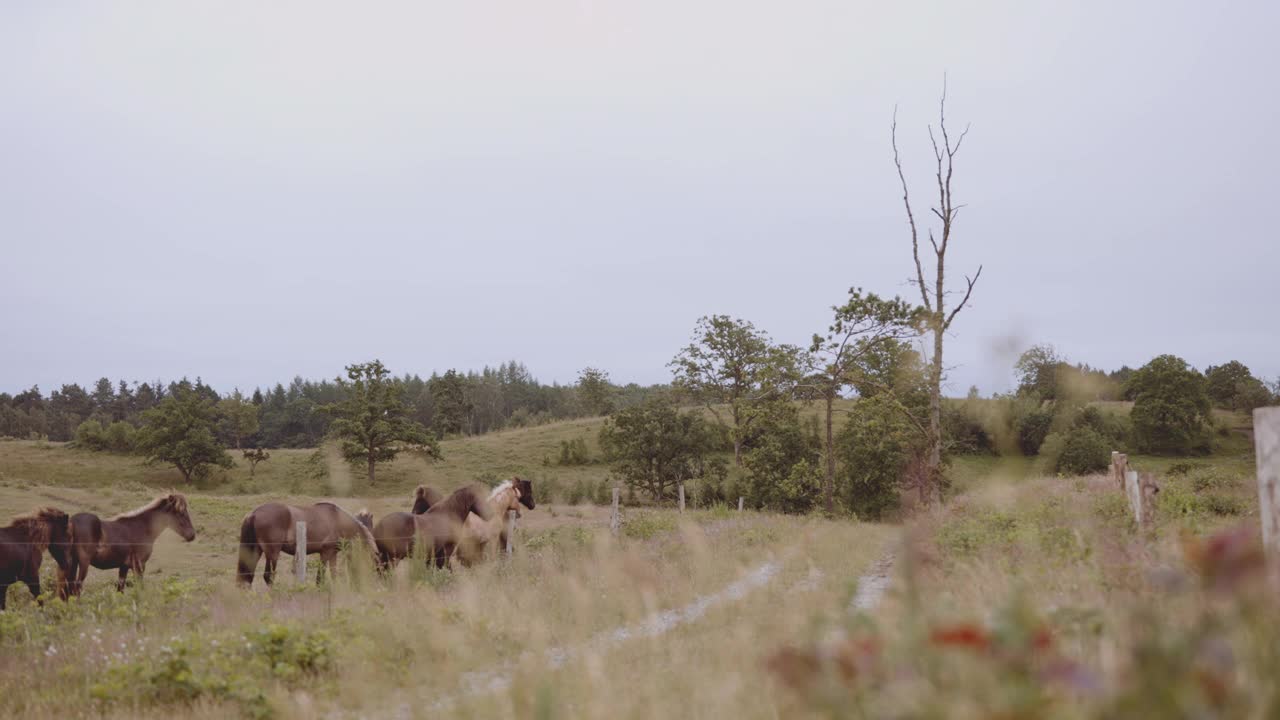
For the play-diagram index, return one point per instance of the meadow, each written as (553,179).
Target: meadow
(1026,596)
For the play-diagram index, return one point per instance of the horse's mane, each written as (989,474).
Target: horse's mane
(365,517)
(502,487)
(37,524)
(177,502)
(460,502)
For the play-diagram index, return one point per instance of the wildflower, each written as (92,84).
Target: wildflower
(962,636)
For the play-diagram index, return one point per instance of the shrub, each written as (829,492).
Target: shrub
(1223,504)
(782,468)
(873,449)
(1032,430)
(91,436)
(1081,451)
(1170,407)
(121,437)
(574,452)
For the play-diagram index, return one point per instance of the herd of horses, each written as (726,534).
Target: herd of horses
(460,528)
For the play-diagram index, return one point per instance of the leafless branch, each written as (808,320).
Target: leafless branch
(968,291)
(911,220)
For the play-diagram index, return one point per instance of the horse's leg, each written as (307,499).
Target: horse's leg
(33,584)
(81,572)
(269,572)
(124,573)
(324,560)
(4,592)
(63,584)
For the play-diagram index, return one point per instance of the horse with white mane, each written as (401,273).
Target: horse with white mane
(481,533)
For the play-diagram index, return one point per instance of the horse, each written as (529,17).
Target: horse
(84,533)
(424,497)
(440,528)
(270,529)
(22,546)
(507,496)
(123,542)
(394,533)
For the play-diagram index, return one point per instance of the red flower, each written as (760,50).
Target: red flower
(961,636)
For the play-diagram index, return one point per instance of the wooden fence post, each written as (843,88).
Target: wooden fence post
(739,503)
(1134,491)
(615,520)
(300,551)
(1266,443)
(511,532)
(681,497)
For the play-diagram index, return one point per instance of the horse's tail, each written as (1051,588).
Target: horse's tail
(365,517)
(249,551)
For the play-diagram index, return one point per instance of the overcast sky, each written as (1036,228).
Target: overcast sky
(249,191)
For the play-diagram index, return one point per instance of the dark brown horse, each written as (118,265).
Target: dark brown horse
(270,529)
(440,528)
(22,546)
(394,533)
(424,497)
(123,543)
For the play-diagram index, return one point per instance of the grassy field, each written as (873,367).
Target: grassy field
(1026,596)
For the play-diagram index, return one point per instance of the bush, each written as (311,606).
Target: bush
(121,437)
(574,452)
(1032,430)
(1223,504)
(91,436)
(782,467)
(873,449)
(1079,451)
(1170,408)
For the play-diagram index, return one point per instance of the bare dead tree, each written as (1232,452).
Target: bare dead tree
(938,318)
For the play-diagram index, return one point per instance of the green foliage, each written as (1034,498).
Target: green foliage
(1032,429)
(239,418)
(645,525)
(654,448)
(224,667)
(91,435)
(1171,405)
(1082,451)
(180,432)
(782,462)
(873,450)
(574,452)
(731,363)
(595,392)
(1221,382)
(374,420)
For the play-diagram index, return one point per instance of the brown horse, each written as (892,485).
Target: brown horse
(440,528)
(424,497)
(480,534)
(84,533)
(270,529)
(124,542)
(22,546)
(394,533)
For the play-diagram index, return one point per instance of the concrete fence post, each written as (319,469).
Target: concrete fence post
(300,551)
(1266,442)
(739,503)
(1133,489)
(681,497)
(511,532)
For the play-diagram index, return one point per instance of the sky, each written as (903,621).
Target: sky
(249,191)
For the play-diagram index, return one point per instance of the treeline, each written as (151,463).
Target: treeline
(868,458)
(449,404)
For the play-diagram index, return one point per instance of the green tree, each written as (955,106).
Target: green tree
(373,420)
(1221,382)
(180,431)
(731,363)
(595,391)
(862,326)
(783,460)
(653,447)
(1038,369)
(876,445)
(452,410)
(1171,405)
(239,417)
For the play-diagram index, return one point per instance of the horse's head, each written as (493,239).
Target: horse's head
(175,508)
(524,490)
(424,498)
(365,518)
